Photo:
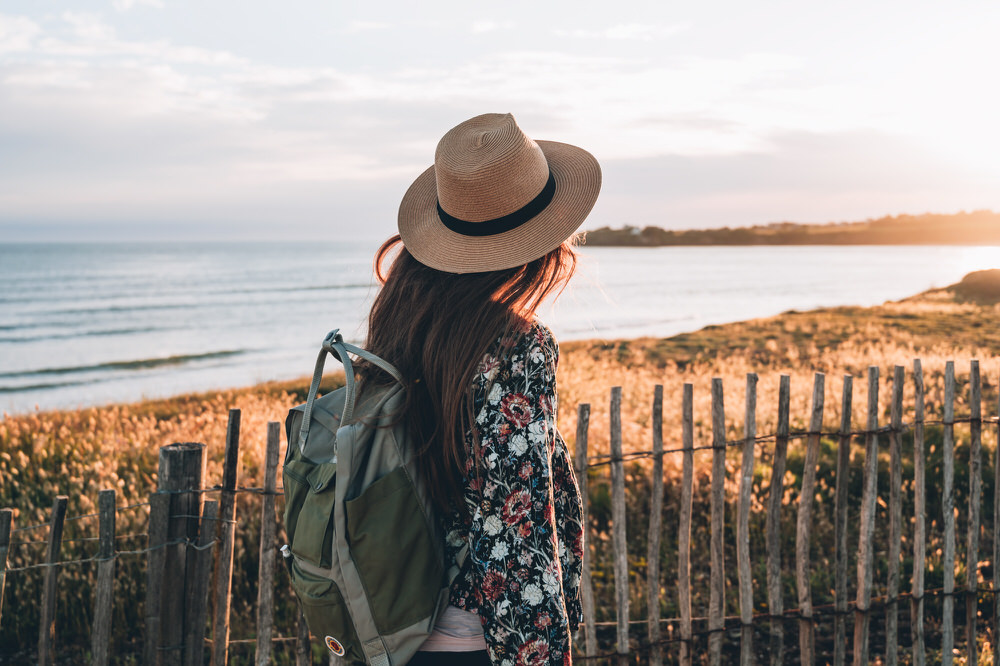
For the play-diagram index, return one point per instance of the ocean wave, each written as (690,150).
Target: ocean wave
(137,364)
(137,291)
(26,388)
(65,323)
(81,334)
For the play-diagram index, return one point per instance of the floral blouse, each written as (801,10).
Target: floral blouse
(524,527)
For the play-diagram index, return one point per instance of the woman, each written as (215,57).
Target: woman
(485,235)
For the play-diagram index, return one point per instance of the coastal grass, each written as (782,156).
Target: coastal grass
(937,326)
(80,452)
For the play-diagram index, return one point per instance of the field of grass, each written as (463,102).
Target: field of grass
(79,453)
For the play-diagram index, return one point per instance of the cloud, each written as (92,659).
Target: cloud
(100,127)
(82,38)
(365,26)
(17,33)
(125,5)
(88,28)
(798,176)
(479,27)
(618,106)
(627,31)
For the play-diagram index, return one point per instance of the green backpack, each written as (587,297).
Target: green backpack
(365,553)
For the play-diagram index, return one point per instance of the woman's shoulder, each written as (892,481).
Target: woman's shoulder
(529,348)
(530,335)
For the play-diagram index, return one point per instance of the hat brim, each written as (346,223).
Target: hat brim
(578,182)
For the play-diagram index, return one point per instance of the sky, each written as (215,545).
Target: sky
(222,120)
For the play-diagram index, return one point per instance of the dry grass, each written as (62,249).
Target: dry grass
(934,327)
(78,454)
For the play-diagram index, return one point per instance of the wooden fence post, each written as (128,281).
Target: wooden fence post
(303,650)
(996,542)
(803,525)
(268,547)
(840,523)
(199,582)
(743,523)
(159,517)
(226,532)
(948,510)
(619,532)
(6,524)
(866,549)
(684,529)
(47,626)
(655,532)
(587,585)
(895,518)
(717,580)
(920,525)
(773,526)
(975,497)
(101,629)
(181,472)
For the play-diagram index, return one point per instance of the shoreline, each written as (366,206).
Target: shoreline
(963,317)
(123,343)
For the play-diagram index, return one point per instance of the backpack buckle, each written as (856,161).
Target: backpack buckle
(332,338)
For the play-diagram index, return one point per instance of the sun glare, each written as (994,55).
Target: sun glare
(980,258)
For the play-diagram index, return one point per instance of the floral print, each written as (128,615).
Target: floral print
(523,527)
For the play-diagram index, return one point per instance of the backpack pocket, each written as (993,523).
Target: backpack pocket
(385,522)
(313,491)
(327,614)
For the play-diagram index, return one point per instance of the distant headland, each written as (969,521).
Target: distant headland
(980,227)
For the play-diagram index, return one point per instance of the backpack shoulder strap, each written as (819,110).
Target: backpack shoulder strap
(334,344)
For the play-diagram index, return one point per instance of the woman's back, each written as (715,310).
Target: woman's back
(487,235)
(523,507)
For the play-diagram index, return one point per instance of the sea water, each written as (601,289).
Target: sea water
(86,324)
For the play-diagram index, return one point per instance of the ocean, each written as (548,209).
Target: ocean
(89,324)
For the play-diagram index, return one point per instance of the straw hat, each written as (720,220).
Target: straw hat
(495,199)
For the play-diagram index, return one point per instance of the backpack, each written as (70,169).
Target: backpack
(365,553)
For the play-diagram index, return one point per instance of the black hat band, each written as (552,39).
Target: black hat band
(505,223)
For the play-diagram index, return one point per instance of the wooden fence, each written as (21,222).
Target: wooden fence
(190,537)
(738,631)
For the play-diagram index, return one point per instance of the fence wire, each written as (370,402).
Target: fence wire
(142,551)
(600,460)
(69,518)
(827,612)
(594,462)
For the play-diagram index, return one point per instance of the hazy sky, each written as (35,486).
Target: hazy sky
(218,118)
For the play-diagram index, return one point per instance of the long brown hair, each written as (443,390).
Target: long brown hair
(435,327)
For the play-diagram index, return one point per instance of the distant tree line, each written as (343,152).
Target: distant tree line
(980,227)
